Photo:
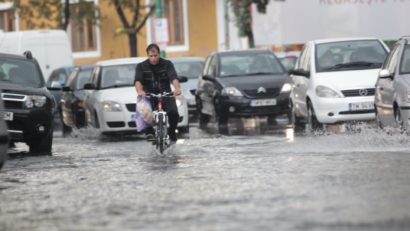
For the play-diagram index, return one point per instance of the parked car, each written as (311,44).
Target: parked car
(334,81)
(190,67)
(4,135)
(392,97)
(72,100)
(110,97)
(29,106)
(242,84)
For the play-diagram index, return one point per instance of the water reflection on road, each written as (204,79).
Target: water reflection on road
(256,176)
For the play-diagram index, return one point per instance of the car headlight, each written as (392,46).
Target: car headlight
(35,101)
(231,91)
(111,106)
(286,88)
(326,92)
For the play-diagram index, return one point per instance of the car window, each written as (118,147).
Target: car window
(118,76)
(391,63)
(249,64)
(405,61)
(83,78)
(189,69)
(20,72)
(349,55)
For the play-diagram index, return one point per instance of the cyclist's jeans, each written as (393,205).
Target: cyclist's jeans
(170,106)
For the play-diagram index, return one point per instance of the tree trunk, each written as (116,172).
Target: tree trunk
(132,41)
(251,39)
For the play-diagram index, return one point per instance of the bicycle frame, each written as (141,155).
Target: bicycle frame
(160,122)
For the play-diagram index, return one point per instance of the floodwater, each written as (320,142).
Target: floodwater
(257,179)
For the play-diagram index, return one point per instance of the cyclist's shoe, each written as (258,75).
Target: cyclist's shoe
(150,137)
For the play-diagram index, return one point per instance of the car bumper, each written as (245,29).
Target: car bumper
(241,107)
(333,110)
(29,124)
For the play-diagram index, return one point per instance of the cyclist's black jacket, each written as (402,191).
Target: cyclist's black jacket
(156,78)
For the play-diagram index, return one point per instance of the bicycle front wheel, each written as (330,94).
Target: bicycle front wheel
(160,134)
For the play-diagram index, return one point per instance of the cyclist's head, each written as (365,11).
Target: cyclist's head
(153,53)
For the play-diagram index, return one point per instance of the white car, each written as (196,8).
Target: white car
(110,97)
(334,81)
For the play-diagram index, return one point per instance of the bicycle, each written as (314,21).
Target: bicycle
(160,122)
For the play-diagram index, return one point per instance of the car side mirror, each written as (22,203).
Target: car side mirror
(193,91)
(385,74)
(182,79)
(208,77)
(66,88)
(300,72)
(89,86)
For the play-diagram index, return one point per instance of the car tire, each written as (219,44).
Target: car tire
(398,119)
(295,121)
(42,146)
(313,123)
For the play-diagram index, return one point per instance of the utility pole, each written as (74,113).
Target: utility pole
(158,14)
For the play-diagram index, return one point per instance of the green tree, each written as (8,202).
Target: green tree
(137,22)
(243,16)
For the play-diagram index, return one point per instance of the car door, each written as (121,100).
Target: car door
(385,87)
(300,78)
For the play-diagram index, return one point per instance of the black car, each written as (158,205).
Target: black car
(4,136)
(72,99)
(29,106)
(242,84)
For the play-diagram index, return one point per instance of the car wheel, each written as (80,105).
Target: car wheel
(295,121)
(398,118)
(378,121)
(42,146)
(313,123)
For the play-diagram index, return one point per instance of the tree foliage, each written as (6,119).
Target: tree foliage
(243,16)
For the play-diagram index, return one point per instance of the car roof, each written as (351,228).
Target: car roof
(186,59)
(15,56)
(329,40)
(247,51)
(121,61)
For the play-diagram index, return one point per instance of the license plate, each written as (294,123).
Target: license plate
(133,116)
(361,106)
(8,116)
(263,102)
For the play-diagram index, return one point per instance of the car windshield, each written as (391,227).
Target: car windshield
(405,61)
(249,64)
(118,76)
(21,72)
(349,55)
(83,78)
(191,70)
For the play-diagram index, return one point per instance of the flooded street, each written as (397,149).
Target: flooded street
(274,180)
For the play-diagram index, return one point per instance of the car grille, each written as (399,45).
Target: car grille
(131,107)
(117,124)
(270,92)
(13,101)
(358,92)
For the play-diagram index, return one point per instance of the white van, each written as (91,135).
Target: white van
(51,48)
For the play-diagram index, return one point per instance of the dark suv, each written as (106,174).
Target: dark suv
(28,105)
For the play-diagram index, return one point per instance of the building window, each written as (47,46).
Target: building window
(6,20)
(83,32)
(172,10)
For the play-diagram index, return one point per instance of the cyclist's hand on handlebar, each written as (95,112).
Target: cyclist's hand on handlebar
(177,92)
(141,93)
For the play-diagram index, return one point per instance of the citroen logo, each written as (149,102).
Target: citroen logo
(261,90)
(363,92)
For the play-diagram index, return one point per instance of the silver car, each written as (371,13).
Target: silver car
(392,97)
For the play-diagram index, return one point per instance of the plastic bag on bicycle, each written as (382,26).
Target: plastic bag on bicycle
(143,113)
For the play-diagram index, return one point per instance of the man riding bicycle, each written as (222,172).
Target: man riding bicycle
(155,75)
